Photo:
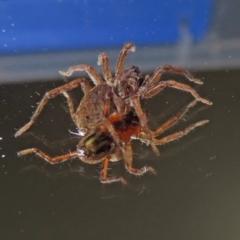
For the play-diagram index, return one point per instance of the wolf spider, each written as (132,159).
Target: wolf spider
(110,113)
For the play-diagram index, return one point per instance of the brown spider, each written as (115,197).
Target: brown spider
(110,113)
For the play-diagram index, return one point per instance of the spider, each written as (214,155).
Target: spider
(110,113)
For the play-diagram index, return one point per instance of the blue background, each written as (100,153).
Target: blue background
(43,25)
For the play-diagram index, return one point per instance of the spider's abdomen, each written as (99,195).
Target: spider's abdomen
(91,108)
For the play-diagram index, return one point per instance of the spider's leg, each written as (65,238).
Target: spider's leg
(93,74)
(103,60)
(173,120)
(86,88)
(131,169)
(71,107)
(106,122)
(158,87)
(143,122)
(175,70)
(172,137)
(48,95)
(51,160)
(104,178)
(122,56)
(113,132)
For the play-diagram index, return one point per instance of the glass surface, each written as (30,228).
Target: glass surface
(195,194)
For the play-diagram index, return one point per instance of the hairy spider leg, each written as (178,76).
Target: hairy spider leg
(174,136)
(122,56)
(143,122)
(169,123)
(131,169)
(158,87)
(51,160)
(86,87)
(171,69)
(110,127)
(52,94)
(103,61)
(105,179)
(72,110)
(93,74)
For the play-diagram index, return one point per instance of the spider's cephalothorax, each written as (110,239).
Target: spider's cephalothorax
(110,113)
(128,82)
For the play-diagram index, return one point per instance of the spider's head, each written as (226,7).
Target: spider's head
(128,82)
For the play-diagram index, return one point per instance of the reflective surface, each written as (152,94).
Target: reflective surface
(195,194)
